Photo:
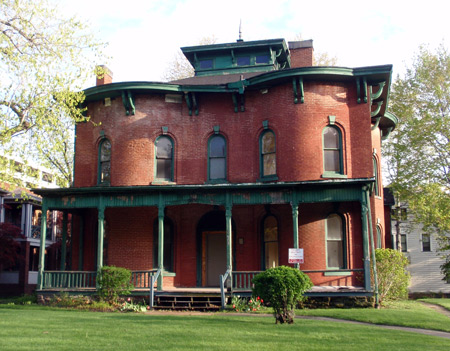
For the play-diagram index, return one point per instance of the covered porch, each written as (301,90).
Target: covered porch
(228,198)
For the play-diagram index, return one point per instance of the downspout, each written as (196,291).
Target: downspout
(372,250)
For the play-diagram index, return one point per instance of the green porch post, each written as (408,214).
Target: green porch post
(295,227)
(160,245)
(372,246)
(229,229)
(101,229)
(365,239)
(42,246)
(64,242)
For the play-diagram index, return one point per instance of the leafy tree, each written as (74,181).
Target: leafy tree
(282,287)
(393,278)
(45,60)
(9,246)
(418,152)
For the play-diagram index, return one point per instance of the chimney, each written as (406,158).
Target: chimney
(104,75)
(302,53)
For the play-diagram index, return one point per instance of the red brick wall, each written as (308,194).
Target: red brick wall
(298,129)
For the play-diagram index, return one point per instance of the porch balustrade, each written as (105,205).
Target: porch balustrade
(69,279)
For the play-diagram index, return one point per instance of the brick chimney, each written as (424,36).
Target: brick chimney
(104,75)
(302,53)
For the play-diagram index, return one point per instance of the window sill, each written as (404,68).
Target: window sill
(267,179)
(169,274)
(334,273)
(216,181)
(163,182)
(333,175)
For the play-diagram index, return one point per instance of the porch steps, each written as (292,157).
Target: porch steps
(191,302)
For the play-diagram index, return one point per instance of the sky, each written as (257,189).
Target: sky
(143,36)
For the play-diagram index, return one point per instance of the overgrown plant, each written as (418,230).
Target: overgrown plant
(282,287)
(113,282)
(393,278)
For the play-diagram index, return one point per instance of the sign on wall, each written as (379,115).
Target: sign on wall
(296,256)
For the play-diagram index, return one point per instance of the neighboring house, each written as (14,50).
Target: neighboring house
(226,171)
(22,208)
(422,250)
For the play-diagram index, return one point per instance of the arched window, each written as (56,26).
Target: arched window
(270,240)
(104,162)
(336,255)
(217,158)
(332,150)
(378,237)
(164,158)
(267,147)
(375,174)
(168,245)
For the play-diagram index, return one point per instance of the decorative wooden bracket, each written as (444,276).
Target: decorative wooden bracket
(299,91)
(361,95)
(378,108)
(191,101)
(238,102)
(376,95)
(128,102)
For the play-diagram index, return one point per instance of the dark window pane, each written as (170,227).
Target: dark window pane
(334,228)
(426,246)
(217,168)
(335,254)
(262,59)
(163,148)
(105,151)
(205,64)
(331,138)
(269,165)
(332,163)
(217,147)
(105,172)
(268,143)
(163,169)
(243,61)
(404,243)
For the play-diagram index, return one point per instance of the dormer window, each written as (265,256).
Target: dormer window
(243,61)
(206,64)
(262,59)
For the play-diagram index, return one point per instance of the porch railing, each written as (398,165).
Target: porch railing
(241,281)
(223,279)
(142,279)
(153,279)
(69,279)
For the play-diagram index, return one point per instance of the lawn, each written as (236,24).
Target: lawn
(403,313)
(41,328)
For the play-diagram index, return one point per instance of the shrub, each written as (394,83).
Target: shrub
(114,281)
(393,278)
(282,287)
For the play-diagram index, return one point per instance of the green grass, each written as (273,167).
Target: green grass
(40,328)
(401,313)
(441,302)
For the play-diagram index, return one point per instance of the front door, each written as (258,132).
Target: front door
(214,257)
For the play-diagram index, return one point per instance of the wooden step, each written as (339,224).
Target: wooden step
(188,302)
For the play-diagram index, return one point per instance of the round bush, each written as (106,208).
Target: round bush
(282,287)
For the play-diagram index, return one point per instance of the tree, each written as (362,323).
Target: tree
(324,59)
(418,153)
(180,67)
(45,61)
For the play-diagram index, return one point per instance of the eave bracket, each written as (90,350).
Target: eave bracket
(128,102)
(298,92)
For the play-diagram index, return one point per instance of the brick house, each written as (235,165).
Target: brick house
(224,172)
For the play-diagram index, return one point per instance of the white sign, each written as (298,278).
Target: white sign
(296,256)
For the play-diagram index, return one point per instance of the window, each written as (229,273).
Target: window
(104,167)
(206,64)
(403,214)
(375,174)
(426,243)
(335,242)
(270,238)
(404,243)
(217,167)
(243,61)
(332,150)
(168,245)
(268,154)
(164,158)
(261,59)
(378,237)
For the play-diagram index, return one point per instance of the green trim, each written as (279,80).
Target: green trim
(333,174)
(337,273)
(216,180)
